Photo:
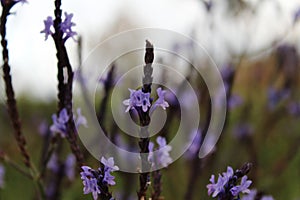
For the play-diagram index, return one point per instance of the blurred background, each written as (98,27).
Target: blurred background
(254,43)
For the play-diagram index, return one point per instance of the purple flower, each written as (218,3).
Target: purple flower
(226,184)
(234,101)
(216,188)
(66,26)
(162,158)
(242,130)
(275,96)
(59,124)
(70,167)
(243,188)
(80,119)
(160,101)
(109,166)
(137,99)
(294,109)
(89,182)
(53,163)
(94,180)
(2,172)
(48,24)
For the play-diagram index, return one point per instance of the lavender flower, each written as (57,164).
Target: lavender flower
(97,181)
(48,24)
(243,188)
(137,99)
(226,185)
(90,182)
(160,102)
(70,167)
(59,124)
(66,26)
(80,119)
(2,172)
(163,157)
(109,166)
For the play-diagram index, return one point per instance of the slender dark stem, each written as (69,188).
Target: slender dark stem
(11,101)
(65,82)
(145,121)
(156,184)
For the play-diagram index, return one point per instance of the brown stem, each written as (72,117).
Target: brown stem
(11,101)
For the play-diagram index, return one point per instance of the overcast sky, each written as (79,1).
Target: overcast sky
(33,59)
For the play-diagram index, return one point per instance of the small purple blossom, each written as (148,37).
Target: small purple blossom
(80,120)
(226,184)
(275,96)
(94,180)
(234,101)
(137,99)
(48,24)
(242,130)
(90,182)
(162,158)
(66,26)
(160,102)
(243,188)
(59,124)
(294,109)
(2,172)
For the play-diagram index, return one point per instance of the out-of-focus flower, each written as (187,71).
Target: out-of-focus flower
(53,164)
(70,167)
(296,15)
(80,120)
(59,124)
(2,172)
(252,196)
(48,24)
(162,158)
(234,101)
(242,130)
(195,140)
(275,96)
(294,109)
(95,180)
(66,26)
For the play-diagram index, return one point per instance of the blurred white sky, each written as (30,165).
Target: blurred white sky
(33,59)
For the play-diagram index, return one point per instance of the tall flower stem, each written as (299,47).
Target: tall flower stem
(144,122)
(65,82)
(11,101)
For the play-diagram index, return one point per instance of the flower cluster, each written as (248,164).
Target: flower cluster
(65,27)
(2,172)
(162,158)
(226,185)
(68,165)
(59,123)
(97,181)
(140,99)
